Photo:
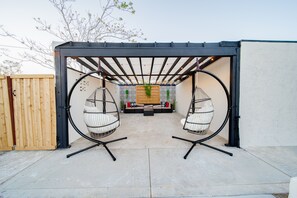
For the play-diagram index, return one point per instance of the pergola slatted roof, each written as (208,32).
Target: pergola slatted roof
(203,63)
(163,65)
(171,67)
(141,69)
(106,63)
(122,69)
(181,68)
(153,59)
(132,69)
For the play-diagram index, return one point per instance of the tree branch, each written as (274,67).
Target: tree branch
(93,27)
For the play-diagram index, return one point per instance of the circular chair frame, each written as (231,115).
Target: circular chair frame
(228,110)
(98,142)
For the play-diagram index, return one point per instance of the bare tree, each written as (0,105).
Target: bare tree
(8,67)
(74,26)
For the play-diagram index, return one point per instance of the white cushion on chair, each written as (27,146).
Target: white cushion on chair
(199,118)
(95,120)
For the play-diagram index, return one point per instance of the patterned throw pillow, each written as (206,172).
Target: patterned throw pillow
(128,104)
(166,104)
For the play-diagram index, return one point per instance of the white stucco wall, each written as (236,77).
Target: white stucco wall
(221,69)
(183,96)
(268,92)
(81,92)
(115,91)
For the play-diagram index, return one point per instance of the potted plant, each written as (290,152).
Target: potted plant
(127,93)
(148,90)
(168,94)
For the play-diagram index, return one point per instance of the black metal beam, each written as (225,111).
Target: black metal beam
(141,70)
(121,68)
(209,62)
(91,60)
(153,59)
(131,67)
(108,45)
(171,68)
(110,67)
(190,68)
(158,52)
(84,64)
(163,65)
(226,49)
(204,65)
(181,68)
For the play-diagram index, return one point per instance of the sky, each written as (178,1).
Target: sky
(166,21)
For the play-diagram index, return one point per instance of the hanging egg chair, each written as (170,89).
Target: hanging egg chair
(101,114)
(200,113)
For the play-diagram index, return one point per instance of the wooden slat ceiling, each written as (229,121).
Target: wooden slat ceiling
(141,70)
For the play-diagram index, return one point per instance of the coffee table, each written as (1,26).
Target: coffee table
(148,111)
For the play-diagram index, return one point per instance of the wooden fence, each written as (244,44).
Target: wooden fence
(6,137)
(142,98)
(34,111)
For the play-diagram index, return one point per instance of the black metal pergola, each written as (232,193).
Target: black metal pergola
(139,63)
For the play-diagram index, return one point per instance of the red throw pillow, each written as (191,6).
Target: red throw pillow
(166,104)
(128,104)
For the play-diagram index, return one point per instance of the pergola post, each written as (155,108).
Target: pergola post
(61,99)
(234,95)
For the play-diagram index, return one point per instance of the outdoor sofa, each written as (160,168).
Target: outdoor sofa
(138,108)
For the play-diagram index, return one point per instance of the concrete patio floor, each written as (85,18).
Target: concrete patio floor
(149,164)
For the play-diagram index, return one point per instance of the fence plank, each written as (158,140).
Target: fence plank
(2,119)
(27,112)
(53,112)
(47,112)
(23,123)
(7,115)
(6,137)
(36,113)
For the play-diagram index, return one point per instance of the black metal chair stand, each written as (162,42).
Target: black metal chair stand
(199,142)
(98,144)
